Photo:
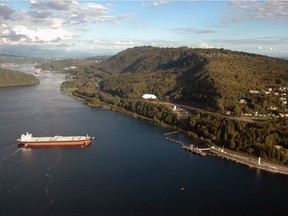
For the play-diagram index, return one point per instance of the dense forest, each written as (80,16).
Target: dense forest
(14,78)
(210,79)
(267,139)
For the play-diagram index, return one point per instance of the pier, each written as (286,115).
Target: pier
(191,148)
(249,161)
(194,149)
(171,133)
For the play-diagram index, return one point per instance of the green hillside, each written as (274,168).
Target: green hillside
(212,78)
(15,78)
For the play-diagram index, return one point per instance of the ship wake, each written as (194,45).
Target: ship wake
(47,189)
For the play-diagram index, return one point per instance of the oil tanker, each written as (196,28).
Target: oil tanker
(27,140)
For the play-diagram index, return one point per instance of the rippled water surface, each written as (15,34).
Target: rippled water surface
(131,169)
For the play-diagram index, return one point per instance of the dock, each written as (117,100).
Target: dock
(191,148)
(194,149)
(233,156)
(171,133)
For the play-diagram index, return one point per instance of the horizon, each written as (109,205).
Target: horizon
(98,56)
(85,28)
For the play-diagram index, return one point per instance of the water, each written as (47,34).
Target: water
(131,169)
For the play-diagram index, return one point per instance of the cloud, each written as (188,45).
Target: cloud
(125,43)
(9,36)
(155,4)
(39,15)
(159,3)
(52,21)
(118,44)
(262,45)
(260,10)
(72,12)
(257,40)
(5,11)
(183,30)
(52,4)
(22,35)
(206,46)
(43,35)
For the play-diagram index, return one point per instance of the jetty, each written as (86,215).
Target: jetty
(191,148)
(194,149)
(249,161)
(171,133)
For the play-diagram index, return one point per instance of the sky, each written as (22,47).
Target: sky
(81,28)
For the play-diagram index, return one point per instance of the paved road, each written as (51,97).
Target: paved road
(251,162)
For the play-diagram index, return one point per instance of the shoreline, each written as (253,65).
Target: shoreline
(247,160)
(251,162)
(242,158)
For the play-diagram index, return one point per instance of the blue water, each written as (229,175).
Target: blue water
(131,169)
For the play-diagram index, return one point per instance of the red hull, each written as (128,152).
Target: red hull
(55,144)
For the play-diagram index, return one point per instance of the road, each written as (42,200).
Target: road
(250,161)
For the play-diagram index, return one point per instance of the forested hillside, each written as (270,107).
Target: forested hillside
(212,78)
(15,78)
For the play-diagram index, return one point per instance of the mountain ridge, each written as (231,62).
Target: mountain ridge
(215,78)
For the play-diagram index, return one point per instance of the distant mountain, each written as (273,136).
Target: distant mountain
(98,58)
(14,59)
(72,64)
(212,78)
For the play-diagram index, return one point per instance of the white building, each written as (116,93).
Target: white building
(254,91)
(242,101)
(149,96)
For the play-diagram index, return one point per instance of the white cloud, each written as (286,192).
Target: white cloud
(260,10)
(125,43)
(52,4)
(119,44)
(206,46)
(159,3)
(43,35)
(265,45)
(72,12)
(260,41)
(272,50)
(155,4)
(189,30)
(52,21)
(5,12)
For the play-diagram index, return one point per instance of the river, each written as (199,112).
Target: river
(131,169)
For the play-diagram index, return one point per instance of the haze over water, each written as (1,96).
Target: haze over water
(131,169)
